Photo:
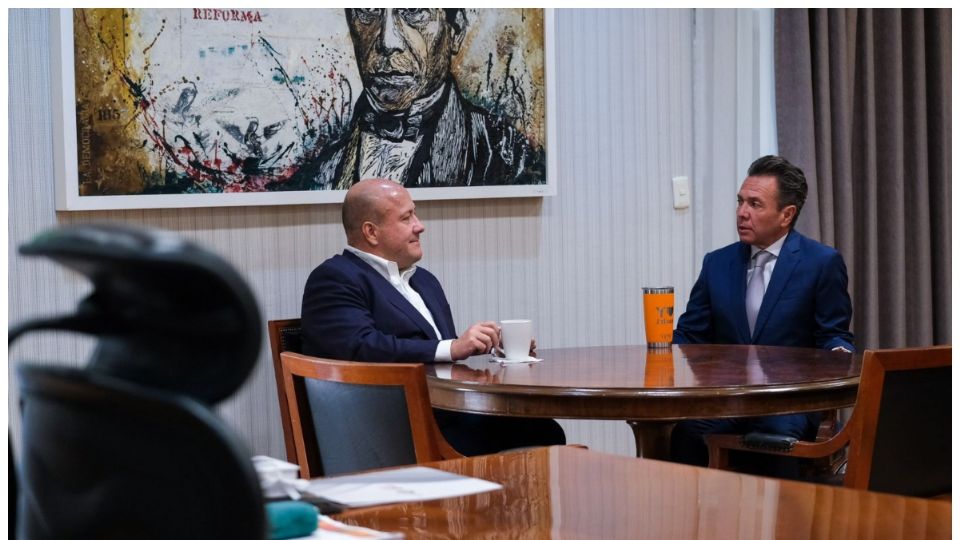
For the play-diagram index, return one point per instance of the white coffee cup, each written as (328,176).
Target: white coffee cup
(515,338)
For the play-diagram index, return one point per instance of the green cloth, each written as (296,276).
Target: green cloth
(290,519)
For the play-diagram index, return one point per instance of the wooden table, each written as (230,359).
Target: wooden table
(652,388)
(564,492)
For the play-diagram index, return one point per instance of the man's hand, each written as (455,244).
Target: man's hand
(480,338)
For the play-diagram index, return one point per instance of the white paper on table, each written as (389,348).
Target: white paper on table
(278,478)
(398,485)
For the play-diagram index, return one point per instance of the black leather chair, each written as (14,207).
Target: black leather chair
(104,458)
(127,447)
(354,416)
(285,336)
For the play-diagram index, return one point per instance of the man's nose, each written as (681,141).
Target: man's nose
(418,226)
(742,211)
(391,38)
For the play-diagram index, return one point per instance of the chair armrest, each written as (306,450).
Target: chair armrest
(768,441)
(719,446)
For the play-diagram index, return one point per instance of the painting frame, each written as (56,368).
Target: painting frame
(66,156)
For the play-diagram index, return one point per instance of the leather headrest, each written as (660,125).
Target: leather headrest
(167,313)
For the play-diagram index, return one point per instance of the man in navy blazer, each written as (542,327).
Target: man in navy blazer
(800,299)
(373,304)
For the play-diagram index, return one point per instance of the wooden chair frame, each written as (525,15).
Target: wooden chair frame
(429,444)
(861,431)
(274,331)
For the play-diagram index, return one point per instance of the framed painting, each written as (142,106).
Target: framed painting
(167,108)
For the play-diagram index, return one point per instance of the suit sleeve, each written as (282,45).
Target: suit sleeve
(833,311)
(696,323)
(338,323)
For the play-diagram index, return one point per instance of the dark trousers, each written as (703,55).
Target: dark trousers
(475,434)
(687,446)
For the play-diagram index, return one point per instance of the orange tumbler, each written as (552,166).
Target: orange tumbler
(658,315)
(658,373)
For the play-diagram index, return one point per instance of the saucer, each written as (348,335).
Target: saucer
(527,360)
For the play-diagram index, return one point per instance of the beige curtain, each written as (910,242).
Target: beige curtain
(863,107)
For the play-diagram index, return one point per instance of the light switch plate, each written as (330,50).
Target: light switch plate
(681,192)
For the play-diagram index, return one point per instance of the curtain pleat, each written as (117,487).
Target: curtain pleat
(863,107)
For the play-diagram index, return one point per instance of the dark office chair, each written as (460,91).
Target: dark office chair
(284,336)
(127,447)
(899,433)
(107,459)
(352,416)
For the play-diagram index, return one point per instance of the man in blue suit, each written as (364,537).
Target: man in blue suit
(373,304)
(773,287)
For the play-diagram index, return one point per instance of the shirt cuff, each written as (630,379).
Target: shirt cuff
(841,348)
(443,351)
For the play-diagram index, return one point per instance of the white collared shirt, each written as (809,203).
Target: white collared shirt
(773,249)
(401,282)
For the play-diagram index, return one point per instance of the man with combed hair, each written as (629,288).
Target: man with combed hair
(773,287)
(373,304)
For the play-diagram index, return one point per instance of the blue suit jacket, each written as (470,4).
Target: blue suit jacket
(351,312)
(806,303)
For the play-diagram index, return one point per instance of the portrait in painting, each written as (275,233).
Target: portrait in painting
(185,101)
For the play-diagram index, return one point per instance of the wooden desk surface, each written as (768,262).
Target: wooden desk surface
(637,383)
(564,492)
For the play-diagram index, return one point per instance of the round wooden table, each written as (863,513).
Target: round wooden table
(651,388)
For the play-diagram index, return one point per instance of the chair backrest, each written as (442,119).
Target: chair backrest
(352,416)
(900,439)
(110,459)
(284,336)
(127,447)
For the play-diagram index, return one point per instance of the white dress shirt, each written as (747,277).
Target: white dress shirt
(401,282)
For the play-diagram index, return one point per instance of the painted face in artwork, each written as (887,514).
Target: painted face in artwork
(404,53)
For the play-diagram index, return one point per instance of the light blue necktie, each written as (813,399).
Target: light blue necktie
(755,287)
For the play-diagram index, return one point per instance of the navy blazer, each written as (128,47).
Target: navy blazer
(351,312)
(806,303)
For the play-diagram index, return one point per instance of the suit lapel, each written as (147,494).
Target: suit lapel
(441,156)
(786,262)
(388,291)
(432,297)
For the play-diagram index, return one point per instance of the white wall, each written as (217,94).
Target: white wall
(575,262)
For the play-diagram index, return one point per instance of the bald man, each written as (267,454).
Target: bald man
(373,304)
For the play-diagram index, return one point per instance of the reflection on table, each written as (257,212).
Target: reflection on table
(652,388)
(563,492)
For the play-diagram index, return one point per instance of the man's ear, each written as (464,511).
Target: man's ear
(458,29)
(789,213)
(370,233)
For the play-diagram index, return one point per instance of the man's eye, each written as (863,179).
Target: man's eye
(414,15)
(367,15)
